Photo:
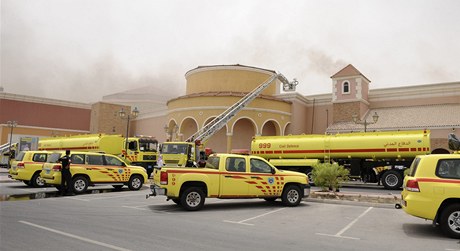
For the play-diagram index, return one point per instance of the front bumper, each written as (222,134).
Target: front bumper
(306,190)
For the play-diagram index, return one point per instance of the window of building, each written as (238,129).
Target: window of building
(345,87)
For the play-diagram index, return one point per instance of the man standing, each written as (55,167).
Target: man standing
(66,176)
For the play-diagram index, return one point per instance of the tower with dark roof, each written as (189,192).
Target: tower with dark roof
(350,94)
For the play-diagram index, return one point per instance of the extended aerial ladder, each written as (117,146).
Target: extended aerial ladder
(4,148)
(187,153)
(218,122)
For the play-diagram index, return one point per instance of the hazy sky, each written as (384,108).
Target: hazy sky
(82,50)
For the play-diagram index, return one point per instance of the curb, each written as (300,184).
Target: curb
(373,199)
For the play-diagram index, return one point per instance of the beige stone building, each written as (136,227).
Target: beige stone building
(210,90)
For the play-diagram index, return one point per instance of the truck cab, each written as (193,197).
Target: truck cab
(179,154)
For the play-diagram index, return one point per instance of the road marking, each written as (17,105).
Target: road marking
(99,198)
(339,234)
(137,207)
(242,222)
(76,236)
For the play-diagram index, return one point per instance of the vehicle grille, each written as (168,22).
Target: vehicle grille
(150,157)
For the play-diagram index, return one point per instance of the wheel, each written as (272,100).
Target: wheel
(291,196)
(79,184)
(135,182)
(450,221)
(118,187)
(311,182)
(192,198)
(37,181)
(392,179)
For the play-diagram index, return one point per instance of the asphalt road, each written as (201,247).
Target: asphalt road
(10,189)
(125,220)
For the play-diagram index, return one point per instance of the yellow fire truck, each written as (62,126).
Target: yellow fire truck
(371,156)
(139,151)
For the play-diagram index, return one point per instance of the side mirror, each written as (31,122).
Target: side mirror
(273,170)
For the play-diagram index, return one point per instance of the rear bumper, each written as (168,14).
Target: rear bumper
(418,205)
(157,190)
(52,180)
(20,175)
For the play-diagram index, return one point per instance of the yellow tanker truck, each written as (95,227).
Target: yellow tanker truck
(139,151)
(371,157)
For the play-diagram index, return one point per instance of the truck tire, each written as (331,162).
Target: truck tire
(309,174)
(135,182)
(37,181)
(450,221)
(79,184)
(392,179)
(291,196)
(192,199)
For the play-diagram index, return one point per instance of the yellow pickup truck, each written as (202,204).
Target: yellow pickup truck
(229,176)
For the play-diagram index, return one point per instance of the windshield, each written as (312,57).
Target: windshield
(53,158)
(20,156)
(148,146)
(413,167)
(174,149)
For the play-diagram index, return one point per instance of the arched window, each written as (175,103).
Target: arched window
(346,87)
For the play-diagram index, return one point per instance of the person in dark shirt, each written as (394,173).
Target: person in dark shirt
(66,176)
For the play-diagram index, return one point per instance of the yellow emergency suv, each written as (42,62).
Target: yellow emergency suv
(27,167)
(88,168)
(229,176)
(432,191)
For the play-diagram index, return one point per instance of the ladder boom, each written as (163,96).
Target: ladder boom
(218,122)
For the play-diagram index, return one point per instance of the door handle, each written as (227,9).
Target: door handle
(228,176)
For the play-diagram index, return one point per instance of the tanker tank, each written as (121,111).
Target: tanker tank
(371,145)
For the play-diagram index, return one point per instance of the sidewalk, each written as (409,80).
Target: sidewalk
(350,197)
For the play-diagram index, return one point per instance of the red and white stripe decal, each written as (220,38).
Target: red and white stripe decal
(433,180)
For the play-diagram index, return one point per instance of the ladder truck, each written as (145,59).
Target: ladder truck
(188,153)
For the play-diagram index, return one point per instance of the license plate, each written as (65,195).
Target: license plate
(160,191)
